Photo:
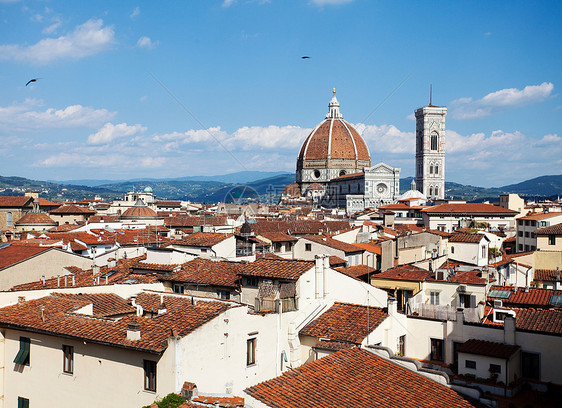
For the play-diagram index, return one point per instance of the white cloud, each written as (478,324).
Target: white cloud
(549,141)
(135,13)
(387,138)
(498,140)
(109,132)
(466,108)
(228,3)
(86,39)
(245,138)
(25,116)
(146,42)
(52,28)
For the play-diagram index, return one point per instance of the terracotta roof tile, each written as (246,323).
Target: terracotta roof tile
(15,201)
(468,208)
(201,239)
(354,378)
(465,237)
(370,247)
(357,271)
(206,271)
(36,219)
(278,237)
(15,253)
(72,209)
(336,261)
(60,318)
(488,348)
(545,275)
(277,268)
(547,321)
(345,322)
(404,272)
(534,297)
(553,229)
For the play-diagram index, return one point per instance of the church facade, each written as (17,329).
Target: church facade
(334,164)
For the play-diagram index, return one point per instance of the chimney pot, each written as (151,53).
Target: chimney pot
(133,331)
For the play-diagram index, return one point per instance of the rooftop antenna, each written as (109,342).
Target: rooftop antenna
(430,94)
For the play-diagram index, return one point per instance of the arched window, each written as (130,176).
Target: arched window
(342,173)
(434,137)
(10,219)
(430,191)
(436,191)
(431,169)
(436,169)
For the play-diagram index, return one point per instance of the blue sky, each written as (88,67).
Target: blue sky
(172,89)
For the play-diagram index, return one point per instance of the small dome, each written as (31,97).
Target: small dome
(315,186)
(292,190)
(148,190)
(139,212)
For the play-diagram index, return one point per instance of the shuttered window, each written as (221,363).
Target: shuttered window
(23,354)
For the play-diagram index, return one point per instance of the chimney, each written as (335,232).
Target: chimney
(460,315)
(73,281)
(43,279)
(557,274)
(133,331)
(162,308)
(392,306)
(21,300)
(509,330)
(318,266)
(43,314)
(189,391)
(325,275)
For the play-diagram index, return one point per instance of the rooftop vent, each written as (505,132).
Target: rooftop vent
(133,331)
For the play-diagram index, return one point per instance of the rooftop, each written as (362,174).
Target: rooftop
(488,348)
(277,268)
(61,315)
(345,322)
(354,378)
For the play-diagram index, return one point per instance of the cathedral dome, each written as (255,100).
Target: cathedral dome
(334,139)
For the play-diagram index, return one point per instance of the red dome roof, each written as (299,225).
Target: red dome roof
(336,139)
(139,212)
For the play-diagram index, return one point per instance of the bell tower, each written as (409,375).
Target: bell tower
(430,150)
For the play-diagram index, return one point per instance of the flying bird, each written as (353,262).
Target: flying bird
(305,57)
(32,80)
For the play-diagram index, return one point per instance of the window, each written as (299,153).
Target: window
(203,250)
(149,375)
(10,219)
(483,252)
(527,222)
(520,247)
(223,294)
(466,302)
(436,191)
(436,169)
(552,239)
(530,365)
(470,364)
(23,354)
(434,141)
(23,402)
(495,368)
(437,349)
(434,298)
(177,288)
(520,233)
(452,249)
(430,191)
(431,169)
(251,351)
(308,247)
(68,359)
(401,345)
(533,223)
(526,234)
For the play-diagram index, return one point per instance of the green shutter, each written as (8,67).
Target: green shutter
(23,402)
(23,355)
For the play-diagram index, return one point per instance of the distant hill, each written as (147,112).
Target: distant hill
(238,177)
(540,186)
(263,189)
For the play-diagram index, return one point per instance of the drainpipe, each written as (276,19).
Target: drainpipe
(318,276)
(325,275)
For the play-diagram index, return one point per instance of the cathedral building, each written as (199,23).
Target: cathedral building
(334,164)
